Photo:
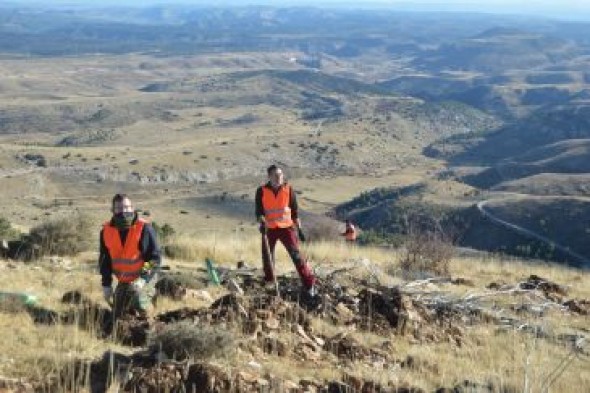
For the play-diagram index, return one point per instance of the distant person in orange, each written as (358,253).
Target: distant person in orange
(278,215)
(350,232)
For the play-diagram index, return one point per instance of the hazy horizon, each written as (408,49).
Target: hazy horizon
(568,9)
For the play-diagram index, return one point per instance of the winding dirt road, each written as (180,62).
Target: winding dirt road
(580,260)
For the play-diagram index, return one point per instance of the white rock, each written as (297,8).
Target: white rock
(254,365)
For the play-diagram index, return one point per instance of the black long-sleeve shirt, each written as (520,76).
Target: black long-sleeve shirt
(148,246)
(259,210)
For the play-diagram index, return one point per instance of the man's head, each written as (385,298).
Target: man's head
(121,204)
(123,213)
(275,175)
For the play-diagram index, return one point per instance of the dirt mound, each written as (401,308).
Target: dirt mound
(209,378)
(200,377)
(182,314)
(393,311)
(86,314)
(581,307)
(468,386)
(352,384)
(97,375)
(348,348)
(270,326)
(171,288)
(551,290)
(258,313)
(384,311)
(132,330)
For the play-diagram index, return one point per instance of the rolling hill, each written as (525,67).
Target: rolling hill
(544,127)
(498,49)
(571,156)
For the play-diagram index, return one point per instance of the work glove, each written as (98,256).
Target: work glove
(138,284)
(107,293)
(301,234)
(262,228)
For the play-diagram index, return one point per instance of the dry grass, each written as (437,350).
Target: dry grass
(215,245)
(500,358)
(322,255)
(49,281)
(486,354)
(35,351)
(483,271)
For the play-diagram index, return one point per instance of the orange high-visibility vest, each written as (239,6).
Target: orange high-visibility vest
(277,212)
(350,233)
(126,259)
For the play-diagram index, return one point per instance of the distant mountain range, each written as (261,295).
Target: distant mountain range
(569,9)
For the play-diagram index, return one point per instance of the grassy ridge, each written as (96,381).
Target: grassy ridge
(487,353)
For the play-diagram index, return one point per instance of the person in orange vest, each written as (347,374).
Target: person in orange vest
(128,250)
(278,215)
(350,232)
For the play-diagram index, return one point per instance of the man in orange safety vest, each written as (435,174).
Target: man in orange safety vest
(129,251)
(278,215)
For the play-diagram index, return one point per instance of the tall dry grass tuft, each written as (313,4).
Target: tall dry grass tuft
(185,340)
(488,268)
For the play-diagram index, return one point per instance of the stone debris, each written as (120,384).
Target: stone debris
(285,328)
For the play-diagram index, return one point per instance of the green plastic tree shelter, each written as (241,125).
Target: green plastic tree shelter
(212,272)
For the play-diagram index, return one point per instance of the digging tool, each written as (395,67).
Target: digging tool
(271,260)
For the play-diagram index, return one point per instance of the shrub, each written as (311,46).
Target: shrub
(6,230)
(185,340)
(320,228)
(62,236)
(427,249)
(164,232)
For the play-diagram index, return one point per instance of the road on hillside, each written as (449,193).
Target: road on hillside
(580,259)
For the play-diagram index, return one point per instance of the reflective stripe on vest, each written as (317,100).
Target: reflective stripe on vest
(277,212)
(126,259)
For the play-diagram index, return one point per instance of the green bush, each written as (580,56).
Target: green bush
(63,236)
(379,238)
(164,232)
